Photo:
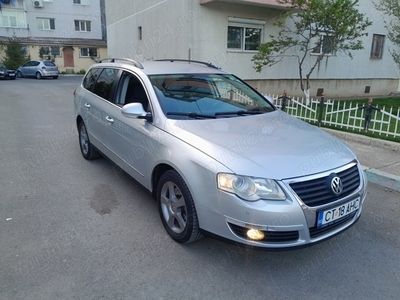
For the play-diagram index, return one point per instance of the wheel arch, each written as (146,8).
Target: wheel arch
(158,170)
(79,119)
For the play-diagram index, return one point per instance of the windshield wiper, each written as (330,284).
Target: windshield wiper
(240,112)
(191,115)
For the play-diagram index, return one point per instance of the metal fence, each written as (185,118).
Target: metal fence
(347,115)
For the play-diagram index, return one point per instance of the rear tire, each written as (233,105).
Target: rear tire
(55,77)
(88,151)
(38,75)
(177,209)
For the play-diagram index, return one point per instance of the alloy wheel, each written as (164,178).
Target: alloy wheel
(173,207)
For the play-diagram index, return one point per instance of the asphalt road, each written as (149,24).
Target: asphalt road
(72,229)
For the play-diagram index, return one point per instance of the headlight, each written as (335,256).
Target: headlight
(249,188)
(1,72)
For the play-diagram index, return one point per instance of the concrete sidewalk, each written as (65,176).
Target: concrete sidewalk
(380,159)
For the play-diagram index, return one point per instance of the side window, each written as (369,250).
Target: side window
(90,79)
(131,90)
(35,63)
(105,83)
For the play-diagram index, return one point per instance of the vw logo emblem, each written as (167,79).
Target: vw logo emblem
(337,185)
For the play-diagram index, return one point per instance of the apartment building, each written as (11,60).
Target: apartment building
(72,33)
(228,32)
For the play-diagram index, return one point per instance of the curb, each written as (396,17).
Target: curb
(382,178)
(71,75)
(366,140)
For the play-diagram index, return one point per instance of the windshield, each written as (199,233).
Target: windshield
(187,96)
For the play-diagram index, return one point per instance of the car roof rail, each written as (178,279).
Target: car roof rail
(128,60)
(208,64)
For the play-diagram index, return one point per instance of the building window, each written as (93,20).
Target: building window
(81,2)
(88,52)
(8,21)
(48,51)
(378,42)
(324,46)
(46,24)
(83,25)
(244,37)
(12,18)
(140,33)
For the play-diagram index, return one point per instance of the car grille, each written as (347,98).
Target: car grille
(318,192)
(315,232)
(270,236)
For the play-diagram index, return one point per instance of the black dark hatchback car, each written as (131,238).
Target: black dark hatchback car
(6,73)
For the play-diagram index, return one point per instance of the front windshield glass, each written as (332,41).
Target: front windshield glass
(186,96)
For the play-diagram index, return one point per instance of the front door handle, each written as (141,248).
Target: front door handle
(87,105)
(109,119)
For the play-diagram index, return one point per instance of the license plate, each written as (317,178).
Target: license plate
(330,215)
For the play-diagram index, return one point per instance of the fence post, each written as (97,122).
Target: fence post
(321,110)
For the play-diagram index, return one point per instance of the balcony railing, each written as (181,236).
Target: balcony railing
(278,4)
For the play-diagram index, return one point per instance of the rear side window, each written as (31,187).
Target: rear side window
(49,64)
(105,84)
(90,79)
(35,63)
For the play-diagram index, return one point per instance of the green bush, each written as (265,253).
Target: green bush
(82,72)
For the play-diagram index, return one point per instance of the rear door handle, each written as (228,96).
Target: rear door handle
(109,119)
(87,105)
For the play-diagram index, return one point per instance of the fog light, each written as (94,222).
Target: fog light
(255,234)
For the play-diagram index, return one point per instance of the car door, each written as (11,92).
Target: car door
(99,105)
(25,68)
(34,68)
(86,97)
(130,139)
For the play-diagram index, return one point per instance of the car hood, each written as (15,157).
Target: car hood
(272,145)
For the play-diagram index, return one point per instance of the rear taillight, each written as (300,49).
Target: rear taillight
(43,68)
(74,92)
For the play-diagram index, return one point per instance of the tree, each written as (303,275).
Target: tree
(14,54)
(392,9)
(318,27)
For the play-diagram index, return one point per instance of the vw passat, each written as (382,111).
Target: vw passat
(217,155)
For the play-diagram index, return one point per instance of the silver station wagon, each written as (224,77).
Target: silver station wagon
(217,155)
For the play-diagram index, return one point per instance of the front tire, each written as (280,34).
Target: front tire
(88,151)
(55,77)
(38,75)
(177,209)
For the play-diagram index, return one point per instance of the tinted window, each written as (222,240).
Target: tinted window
(104,84)
(131,90)
(49,64)
(90,79)
(35,63)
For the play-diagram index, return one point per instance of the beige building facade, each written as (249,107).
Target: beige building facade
(69,32)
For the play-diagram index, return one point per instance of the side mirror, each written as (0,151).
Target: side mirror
(136,111)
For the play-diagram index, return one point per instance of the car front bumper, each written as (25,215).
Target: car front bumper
(286,224)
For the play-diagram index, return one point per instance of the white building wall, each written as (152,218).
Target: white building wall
(166,28)
(172,27)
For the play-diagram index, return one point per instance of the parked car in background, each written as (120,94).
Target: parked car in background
(38,69)
(6,73)
(217,155)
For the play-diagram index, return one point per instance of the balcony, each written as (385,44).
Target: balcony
(16,4)
(277,4)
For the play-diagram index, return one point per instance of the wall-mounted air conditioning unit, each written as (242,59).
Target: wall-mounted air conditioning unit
(37,3)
